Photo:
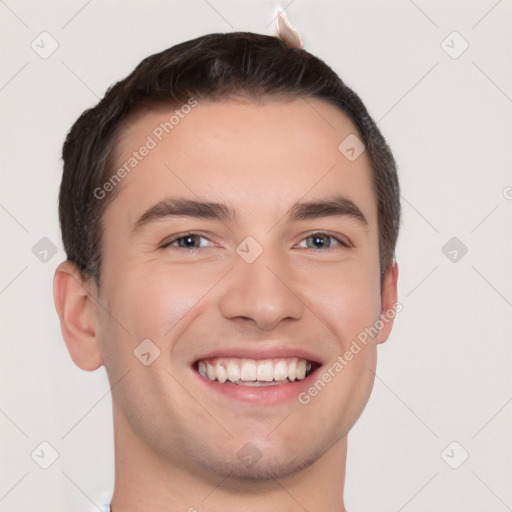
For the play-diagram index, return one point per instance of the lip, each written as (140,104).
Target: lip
(259,395)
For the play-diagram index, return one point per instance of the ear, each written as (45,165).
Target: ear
(75,303)
(389,302)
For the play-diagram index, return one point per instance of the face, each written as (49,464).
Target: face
(259,262)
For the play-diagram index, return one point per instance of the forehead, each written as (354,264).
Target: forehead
(245,153)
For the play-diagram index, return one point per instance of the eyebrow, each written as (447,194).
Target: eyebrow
(336,205)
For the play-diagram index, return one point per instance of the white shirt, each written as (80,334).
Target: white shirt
(105,500)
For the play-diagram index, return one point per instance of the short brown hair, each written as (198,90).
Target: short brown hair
(212,67)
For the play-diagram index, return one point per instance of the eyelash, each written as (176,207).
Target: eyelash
(174,239)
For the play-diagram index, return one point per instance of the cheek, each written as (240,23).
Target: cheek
(347,298)
(349,304)
(156,300)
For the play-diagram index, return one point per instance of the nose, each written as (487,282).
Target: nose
(261,292)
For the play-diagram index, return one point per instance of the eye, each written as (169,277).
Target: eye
(322,241)
(314,241)
(186,241)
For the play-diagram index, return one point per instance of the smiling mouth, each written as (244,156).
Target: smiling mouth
(255,372)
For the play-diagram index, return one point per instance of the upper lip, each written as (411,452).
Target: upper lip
(271,352)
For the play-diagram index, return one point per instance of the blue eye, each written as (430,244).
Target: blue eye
(186,241)
(322,241)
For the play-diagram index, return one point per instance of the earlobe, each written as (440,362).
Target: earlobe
(76,307)
(389,302)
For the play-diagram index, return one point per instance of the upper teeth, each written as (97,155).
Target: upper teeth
(254,370)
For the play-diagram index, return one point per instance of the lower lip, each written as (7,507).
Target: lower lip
(260,395)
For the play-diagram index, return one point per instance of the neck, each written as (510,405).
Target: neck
(146,480)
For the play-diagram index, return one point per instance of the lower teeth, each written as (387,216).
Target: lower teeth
(258,383)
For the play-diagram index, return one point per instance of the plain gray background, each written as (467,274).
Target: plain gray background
(443,376)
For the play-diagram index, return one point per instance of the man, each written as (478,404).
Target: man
(230,213)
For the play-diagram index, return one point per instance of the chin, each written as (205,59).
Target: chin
(260,468)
